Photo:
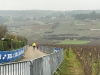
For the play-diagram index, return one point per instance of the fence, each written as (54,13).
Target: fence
(18,68)
(45,65)
(9,56)
(46,49)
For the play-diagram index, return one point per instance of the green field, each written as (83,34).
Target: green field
(73,42)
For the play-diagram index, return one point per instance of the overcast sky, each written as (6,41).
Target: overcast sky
(49,4)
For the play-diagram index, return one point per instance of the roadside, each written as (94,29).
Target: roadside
(75,65)
(70,65)
(32,54)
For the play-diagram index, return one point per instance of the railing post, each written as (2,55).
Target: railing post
(31,68)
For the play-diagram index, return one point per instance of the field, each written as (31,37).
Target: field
(52,30)
(73,42)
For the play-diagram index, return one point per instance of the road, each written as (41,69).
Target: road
(31,53)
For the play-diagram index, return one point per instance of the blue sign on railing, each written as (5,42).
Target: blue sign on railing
(9,56)
(57,49)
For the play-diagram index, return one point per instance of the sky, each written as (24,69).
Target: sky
(50,4)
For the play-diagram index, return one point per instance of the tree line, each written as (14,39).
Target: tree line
(90,16)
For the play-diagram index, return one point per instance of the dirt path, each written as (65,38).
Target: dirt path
(32,54)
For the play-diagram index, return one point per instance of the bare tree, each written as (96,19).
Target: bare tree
(3,31)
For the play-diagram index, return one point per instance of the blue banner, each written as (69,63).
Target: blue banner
(57,49)
(9,56)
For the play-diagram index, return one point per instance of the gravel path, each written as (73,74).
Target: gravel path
(31,53)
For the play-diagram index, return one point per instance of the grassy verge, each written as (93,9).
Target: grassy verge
(70,65)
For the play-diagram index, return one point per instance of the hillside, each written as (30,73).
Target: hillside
(59,30)
(51,26)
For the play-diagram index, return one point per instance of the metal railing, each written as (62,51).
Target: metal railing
(46,49)
(45,65)
(16,68)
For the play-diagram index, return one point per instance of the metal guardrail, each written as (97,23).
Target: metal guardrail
(25,47)
(46,49)
(18,68)
(45,65)
(56,59)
